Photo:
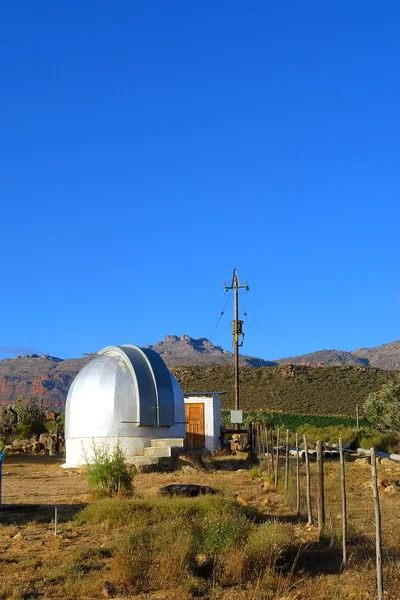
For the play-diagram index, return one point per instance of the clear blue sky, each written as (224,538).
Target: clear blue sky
(148,148)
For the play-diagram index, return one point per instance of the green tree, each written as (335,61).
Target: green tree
(382,408)
(8,421)
(31,418)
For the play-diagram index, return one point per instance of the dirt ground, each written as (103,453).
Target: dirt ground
(34,486)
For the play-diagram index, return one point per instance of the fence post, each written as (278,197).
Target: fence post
(321,499)
(297,476)
(250,439)
(308,481)
(272,450)
(344,508)
(258,442)
(260,429)
(277,459)
(267,449)
(378,527)
(287,460)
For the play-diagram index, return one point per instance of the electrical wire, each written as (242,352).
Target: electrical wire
(274,322)
(219,319)
(266,334)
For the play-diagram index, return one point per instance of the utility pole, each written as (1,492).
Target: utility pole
(237,327)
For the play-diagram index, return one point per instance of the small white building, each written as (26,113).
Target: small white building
(203,420)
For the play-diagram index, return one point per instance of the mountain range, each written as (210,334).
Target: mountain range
(48,378)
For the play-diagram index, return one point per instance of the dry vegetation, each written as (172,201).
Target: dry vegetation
(217,547)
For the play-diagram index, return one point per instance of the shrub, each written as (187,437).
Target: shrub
(108,471)
(193,543)
(382,408)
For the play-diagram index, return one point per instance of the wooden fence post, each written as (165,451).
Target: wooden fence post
(378,526)
(308,481)
(277,459)
(297,476)
(344,509)
(272,450)
(251,440)
(267,449)
(321,498)
(258,443)
(287,460)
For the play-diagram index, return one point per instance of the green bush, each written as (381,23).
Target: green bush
(382,408)
(108,471)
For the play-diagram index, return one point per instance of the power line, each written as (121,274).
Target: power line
(266,334)
(274,322)
(219,319)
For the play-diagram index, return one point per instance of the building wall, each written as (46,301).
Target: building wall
(212,418)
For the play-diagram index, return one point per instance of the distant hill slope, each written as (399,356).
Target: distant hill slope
(289,388)
(386,356)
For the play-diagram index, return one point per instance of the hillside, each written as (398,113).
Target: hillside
(385,356)
(288,388)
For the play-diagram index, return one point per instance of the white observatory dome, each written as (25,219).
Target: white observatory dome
(126,393)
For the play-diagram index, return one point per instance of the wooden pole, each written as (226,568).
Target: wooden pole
(262,443)
(267,449)
(320,497)
(272,450)
(287,460)
(250,440)
(253,440)
(344,508)
(277,458)
(308,481)
(378,527)
(297,476)
(258,442)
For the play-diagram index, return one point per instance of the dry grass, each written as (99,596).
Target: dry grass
(233,557)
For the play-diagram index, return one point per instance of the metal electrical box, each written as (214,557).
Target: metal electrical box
(236,417)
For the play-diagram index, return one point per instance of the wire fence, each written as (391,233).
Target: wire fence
(298,471)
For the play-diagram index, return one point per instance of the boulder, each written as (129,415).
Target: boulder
(391,489)
(383,483)
(268,486)
(19,444)
(37,447)
(241,500)
(362,461)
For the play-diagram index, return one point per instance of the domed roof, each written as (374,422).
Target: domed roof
(123,388)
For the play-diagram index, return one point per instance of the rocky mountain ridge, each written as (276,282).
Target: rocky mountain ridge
(185,350)
(385,356)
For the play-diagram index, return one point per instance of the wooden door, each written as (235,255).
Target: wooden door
(195,432)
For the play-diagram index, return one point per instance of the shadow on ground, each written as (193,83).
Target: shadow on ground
(21,514)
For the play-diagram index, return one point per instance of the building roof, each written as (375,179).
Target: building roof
(203,393)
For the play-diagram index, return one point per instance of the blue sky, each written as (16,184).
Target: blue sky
(148,148)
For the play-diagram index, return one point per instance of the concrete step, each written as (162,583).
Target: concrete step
(140,461)
(163,452)
(168,442)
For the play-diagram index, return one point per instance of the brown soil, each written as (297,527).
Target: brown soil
(34,562)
